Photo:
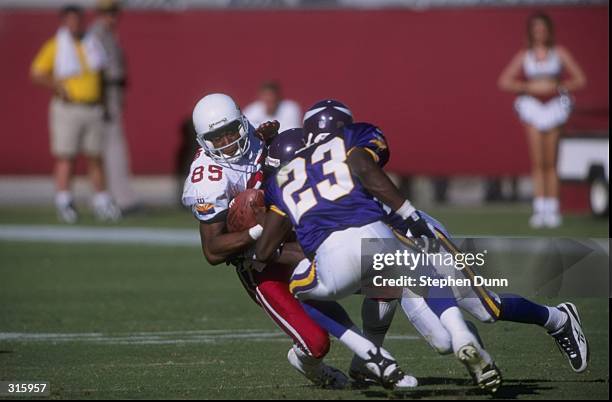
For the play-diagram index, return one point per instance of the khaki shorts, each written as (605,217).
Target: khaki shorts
(75,129)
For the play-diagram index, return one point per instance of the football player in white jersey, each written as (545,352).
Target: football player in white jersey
(229,161)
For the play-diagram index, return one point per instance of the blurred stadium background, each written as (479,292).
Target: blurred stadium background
(131,309)
(424,71)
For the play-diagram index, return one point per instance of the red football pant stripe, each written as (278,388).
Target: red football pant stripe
(271,289)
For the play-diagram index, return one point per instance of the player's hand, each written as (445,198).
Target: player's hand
(422,231)
(267,131)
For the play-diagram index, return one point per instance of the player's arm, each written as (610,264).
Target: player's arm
(374,178)
(377,183)
(290,254)
(218,246)
(276,228)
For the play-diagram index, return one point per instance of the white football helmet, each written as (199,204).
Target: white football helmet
(214,115)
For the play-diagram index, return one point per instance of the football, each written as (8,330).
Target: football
(241,215)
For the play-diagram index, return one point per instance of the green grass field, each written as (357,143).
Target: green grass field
(130,321)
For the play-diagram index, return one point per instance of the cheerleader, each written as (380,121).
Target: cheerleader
(549,75)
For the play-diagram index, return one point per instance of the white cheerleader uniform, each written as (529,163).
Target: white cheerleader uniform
(549,114)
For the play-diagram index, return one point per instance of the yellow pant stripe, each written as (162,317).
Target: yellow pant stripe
(306,281)
(481,291)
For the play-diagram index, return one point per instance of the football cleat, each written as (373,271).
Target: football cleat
(485,374)
(571,340)
(317,372)
(67,213)
(386,372)
(363,378)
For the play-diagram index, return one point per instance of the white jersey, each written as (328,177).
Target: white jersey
(211,184)
(288,114)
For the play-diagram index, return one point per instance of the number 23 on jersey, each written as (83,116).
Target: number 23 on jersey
(293,177)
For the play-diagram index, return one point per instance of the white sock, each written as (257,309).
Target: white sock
(357,343)
(539,205)
(556,319)
(453,321)
(551,205)
(377,316)
(427,323)
(63,198)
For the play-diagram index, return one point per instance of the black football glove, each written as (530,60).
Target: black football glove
(422,232)
(267,131)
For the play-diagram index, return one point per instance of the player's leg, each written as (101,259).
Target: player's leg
(562,322)
(429,326)
(427,323)
(465,345)
(377,314)
(382,367)
(464,342)
(311,342)
(335,273)
(487,306)
(331,316)
(376,317)
(290,316)
(269,289)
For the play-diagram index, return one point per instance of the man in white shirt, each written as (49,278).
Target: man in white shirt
(272,106)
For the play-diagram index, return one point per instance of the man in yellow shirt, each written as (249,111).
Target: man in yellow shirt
(69,64)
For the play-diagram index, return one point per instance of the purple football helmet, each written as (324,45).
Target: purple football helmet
(283,147)
(326,116)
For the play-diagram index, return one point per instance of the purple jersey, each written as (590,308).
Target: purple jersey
(317,191)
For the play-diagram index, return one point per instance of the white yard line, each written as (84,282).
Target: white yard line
(158,338)
(100,235)
(190,237)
